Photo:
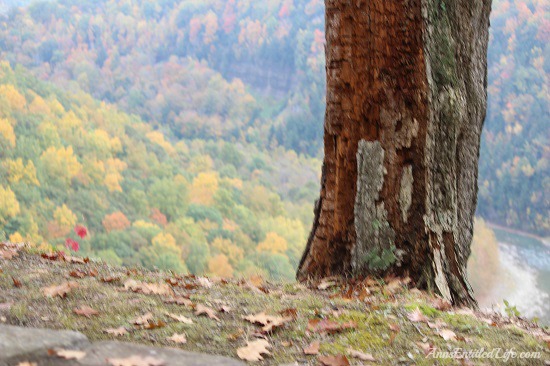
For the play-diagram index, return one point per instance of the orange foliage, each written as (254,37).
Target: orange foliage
(115,221)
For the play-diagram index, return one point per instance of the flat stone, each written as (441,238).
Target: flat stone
(17,342)
(98,353)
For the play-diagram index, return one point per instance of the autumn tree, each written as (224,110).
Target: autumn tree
(406,100)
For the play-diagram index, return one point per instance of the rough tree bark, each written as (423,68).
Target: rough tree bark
(406,101)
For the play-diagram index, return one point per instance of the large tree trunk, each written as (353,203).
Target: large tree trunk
(406,100)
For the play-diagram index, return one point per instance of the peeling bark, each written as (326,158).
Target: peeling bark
(406,100)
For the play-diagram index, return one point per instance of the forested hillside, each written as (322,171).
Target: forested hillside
(208,207)
(252,73)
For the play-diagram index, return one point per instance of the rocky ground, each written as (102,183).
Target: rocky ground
(129,316)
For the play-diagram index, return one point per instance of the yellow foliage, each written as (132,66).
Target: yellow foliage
(17,171)
(39,106)
(56,107)
(6,131)
(9,206)
(60,162)
(230,250)
(273,243)
(64,217)
(166,241)
(69,121)
(219,266)
(158,138)
(16,101)
(94,170)
(113,178)
(204,188)
(16,238)
(141,224)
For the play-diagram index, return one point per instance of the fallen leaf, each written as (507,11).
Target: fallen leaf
(360,355)
(135,361)
(426,347)
(447,334)
(441,304)
(180,300)
(144,319)
(395,328)
(290,313)
(339,360)
(6,305)
(77,274)
(117,332)
(16,282)
(269,322)
(325,284)
(109,279)
(313,348)
(438,324)
(254,350)
(178,338)
(72,259)
(417,316)
(86,311)
(204,282)
(8,253)
(60,290)
(205,310)
(26,363)
(148,288)
(225,309)
(328,326)
(67,354)
(93,272)
(236,335)
(180,318)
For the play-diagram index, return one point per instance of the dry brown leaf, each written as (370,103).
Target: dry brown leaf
(8,253)
(77,274)
(438,324)
(313,348)
(180,300)
(328,326)
(110,279)
(395,327)
(16,282)
(180,318)
(236,335)
(225,309)
(290,313)
(205,310)
(78,260)
(135,361)
(86,311)
(339,360)
(93,272)
(269,322)
(148,288)
(447,334)
(441,304)
(325,284)
(426,347)
(117,332)
(144,319)
(67,354)
(254,350)
(60,290)
(26,363)
(417,316)
(360,355)
(204,282)
(178,338)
